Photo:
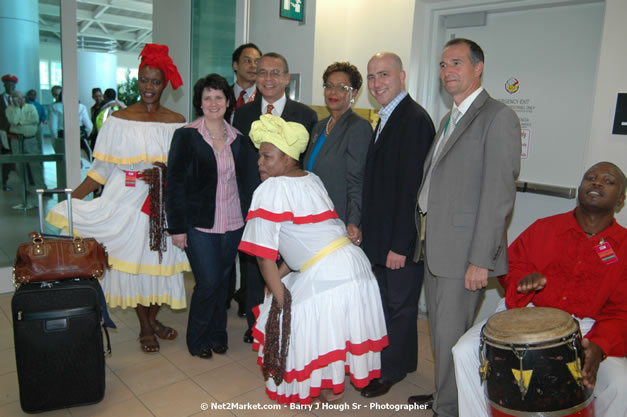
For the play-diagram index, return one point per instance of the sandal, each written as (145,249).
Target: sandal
(164,332)
(149,343)
(328,396)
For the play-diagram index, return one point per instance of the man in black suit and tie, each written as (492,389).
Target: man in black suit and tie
(393,173)
(468,194)
(244,64)
(245,59)
(272,77)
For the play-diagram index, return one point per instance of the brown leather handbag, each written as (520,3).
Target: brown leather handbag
(56,258)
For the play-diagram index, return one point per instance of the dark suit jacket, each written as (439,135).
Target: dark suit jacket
(293,112)
(392,177)
(192,179)
(472,191)
(341,161)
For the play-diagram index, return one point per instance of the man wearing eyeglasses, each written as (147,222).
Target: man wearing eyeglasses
(245,59)
(272,77)
(393,174)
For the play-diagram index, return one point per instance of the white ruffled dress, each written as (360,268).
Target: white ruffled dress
(337,323)
(115,219)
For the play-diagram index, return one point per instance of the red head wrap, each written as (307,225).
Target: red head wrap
(9,77)
(156,56)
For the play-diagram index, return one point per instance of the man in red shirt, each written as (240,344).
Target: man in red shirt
(555,263)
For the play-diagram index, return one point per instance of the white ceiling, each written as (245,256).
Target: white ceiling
(106,25)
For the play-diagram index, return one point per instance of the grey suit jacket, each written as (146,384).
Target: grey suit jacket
(341,161)
(472,191)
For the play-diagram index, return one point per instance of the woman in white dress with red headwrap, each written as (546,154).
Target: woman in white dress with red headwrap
(131,152)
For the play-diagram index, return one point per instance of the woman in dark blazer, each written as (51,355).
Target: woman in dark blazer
(339,145)
(212,173)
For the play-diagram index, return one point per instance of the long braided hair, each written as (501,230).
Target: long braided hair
(277,339)
(156,190)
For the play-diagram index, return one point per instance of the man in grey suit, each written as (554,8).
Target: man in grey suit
(467,196)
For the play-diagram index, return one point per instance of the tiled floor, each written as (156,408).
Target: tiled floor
(173,383)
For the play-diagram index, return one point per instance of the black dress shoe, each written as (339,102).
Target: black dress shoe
(220,350)
(422,399)
(241,309)
(248,336)
(376,388)
(205,354)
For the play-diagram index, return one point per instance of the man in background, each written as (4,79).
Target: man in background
(24,120)
(245,59)
(6,100)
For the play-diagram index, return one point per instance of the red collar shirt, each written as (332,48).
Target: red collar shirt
(578,280)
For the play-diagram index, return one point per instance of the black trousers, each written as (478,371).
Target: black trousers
(255,285)
(400,291)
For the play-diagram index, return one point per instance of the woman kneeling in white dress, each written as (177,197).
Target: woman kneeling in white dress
(324,318)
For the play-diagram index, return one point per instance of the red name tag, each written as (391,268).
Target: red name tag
(131,178)
(605,252)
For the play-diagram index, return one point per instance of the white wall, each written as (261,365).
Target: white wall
(290,38)
(354,30)
(128,59)
(603,145)
(171,25)
(104,77)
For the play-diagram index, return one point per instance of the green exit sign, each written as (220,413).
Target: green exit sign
(293,9)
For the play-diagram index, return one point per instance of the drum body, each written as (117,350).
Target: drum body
(532,362)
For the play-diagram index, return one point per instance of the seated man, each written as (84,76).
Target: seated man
(555,263)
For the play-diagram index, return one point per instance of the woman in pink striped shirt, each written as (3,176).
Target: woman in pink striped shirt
(211,176)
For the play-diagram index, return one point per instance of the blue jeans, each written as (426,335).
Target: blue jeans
(211,257)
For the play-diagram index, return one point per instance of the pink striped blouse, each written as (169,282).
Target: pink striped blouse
(228,215)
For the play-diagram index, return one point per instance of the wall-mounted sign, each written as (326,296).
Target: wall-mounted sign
(293,9)
(620,117)
(512,85)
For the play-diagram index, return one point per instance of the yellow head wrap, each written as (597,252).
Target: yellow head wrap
(289,137)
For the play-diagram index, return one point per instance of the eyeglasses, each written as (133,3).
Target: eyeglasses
(340,88)
(275,73)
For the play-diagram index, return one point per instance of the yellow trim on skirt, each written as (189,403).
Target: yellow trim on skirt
(57,220)
(133,160)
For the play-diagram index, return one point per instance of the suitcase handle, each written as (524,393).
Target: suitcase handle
(67,191)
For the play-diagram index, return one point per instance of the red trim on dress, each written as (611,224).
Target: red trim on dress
(289,216)
(319,363)
(257,250)
(323,361)
(324,384)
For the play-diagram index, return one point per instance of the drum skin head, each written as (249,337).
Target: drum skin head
(529,325)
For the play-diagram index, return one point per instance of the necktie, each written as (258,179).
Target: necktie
(269,109)
(240,100)
(9,100)
(450,126)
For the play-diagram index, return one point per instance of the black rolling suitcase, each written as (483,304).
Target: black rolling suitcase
(58,342)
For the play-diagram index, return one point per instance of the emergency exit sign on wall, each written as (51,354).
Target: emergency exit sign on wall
(292,9)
